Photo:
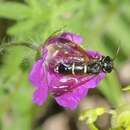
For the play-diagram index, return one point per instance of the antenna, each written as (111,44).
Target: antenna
(53,34)
(58,30)
(117,52)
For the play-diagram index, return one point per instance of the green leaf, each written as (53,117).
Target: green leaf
(21,28)
(111,89)
(121,117)
(14,10)
(126,88)
(35,3)
(91,115)
(29,30)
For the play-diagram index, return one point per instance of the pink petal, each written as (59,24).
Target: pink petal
(72,37)
(94,82)
(40,95)
(38,78)
(37,74)
(93,54)
(66,36)
(72,99)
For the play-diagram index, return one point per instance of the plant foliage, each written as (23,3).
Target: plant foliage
(104,24)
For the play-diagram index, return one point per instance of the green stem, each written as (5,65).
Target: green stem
(92,126)
(31,46)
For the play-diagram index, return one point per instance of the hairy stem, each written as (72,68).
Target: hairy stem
(29,45)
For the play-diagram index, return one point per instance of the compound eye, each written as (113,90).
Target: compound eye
(107,59)
(108,69)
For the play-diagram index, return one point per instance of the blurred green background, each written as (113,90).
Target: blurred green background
(104,25)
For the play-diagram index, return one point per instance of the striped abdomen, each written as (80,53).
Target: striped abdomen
(76,68)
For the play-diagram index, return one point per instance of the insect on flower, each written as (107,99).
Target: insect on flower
(66,70)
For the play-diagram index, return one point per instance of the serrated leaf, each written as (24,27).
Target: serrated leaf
(34,3)
(28,30)
(14,10)
(23,27)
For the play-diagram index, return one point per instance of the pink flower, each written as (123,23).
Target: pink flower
(68,90)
